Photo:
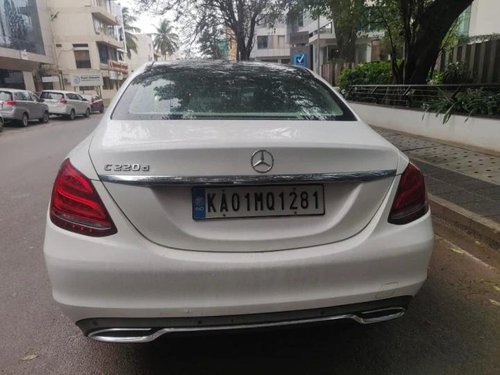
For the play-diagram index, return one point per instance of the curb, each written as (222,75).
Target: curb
(478,226)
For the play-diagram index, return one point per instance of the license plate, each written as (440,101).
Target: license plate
(257,201)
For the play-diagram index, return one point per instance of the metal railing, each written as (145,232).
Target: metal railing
(411,96)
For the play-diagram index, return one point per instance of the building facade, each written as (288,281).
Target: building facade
(89,45)
(145,52)
(25,43)
(271,43)
(274,41)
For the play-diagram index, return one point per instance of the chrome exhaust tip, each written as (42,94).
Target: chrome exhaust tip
(379,315)
(124,335)
(142,335)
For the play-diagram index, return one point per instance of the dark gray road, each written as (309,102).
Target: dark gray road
(453,326)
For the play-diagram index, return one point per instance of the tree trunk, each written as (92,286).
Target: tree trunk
(346,42)
(433,24)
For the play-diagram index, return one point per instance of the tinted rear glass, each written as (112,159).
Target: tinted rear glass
(229,91)
(4,95)
(52,95)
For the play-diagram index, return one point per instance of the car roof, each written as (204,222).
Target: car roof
(13,90)
(236,65)
(61,91)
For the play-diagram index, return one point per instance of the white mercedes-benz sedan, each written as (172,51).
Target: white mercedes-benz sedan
(224,196)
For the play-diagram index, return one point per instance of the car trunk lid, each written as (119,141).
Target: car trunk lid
(150,168)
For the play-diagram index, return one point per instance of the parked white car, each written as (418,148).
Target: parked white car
(66,103)
(223,196)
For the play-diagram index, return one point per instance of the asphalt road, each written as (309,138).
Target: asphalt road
(452,327)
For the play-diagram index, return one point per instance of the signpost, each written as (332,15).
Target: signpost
(86,79)
(299,52)
(300,59)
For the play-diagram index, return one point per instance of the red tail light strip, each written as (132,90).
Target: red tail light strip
(76,206)
(410,202)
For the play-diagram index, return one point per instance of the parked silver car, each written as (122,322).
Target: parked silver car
(66,103)
(22,106)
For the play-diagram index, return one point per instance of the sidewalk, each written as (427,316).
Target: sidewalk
(462,184)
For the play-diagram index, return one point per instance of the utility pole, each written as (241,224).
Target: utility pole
(318,67)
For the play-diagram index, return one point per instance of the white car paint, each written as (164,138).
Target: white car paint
(74,102)
(163,264)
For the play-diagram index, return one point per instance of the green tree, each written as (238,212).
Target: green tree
(239,16)
(414,29)
(130,30)
(425,24)
(165,39)
(348,17)
(211,43)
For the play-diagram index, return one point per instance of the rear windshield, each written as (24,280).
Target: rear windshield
(229,91)
(5,95)
(52,95)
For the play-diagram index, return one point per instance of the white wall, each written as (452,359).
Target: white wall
(485,17)
(478,132)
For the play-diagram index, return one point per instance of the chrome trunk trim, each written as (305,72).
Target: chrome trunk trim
(145,180)
(141,335)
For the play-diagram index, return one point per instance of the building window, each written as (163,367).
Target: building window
(113,54)
(103,53)
(262,42)
(281,41)
(12,78)
(107,83)
(300,19)
(327,29)
(464,22)
(82,58)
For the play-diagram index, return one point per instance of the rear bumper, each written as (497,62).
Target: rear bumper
(137,330)
(127,276)
(58,110)
(11,115)
(96,107)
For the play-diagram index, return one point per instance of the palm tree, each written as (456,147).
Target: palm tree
(130,38)
(165,39)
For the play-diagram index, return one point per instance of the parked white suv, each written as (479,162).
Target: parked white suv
(66,103)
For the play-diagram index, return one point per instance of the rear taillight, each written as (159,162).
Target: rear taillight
(410,202)
(76,206)
(10,102)
(62,101)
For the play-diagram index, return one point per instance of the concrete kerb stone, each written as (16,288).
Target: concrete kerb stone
(480,227)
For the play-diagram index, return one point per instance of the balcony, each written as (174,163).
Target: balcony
(101,9)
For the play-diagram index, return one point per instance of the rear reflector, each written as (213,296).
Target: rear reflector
(410,202)
(76,206)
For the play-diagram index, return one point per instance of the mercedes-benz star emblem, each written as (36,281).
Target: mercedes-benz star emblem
(262,161)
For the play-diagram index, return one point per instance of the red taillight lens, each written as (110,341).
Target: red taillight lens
(10,102)
(62,101)
(410,202)
(76,206)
